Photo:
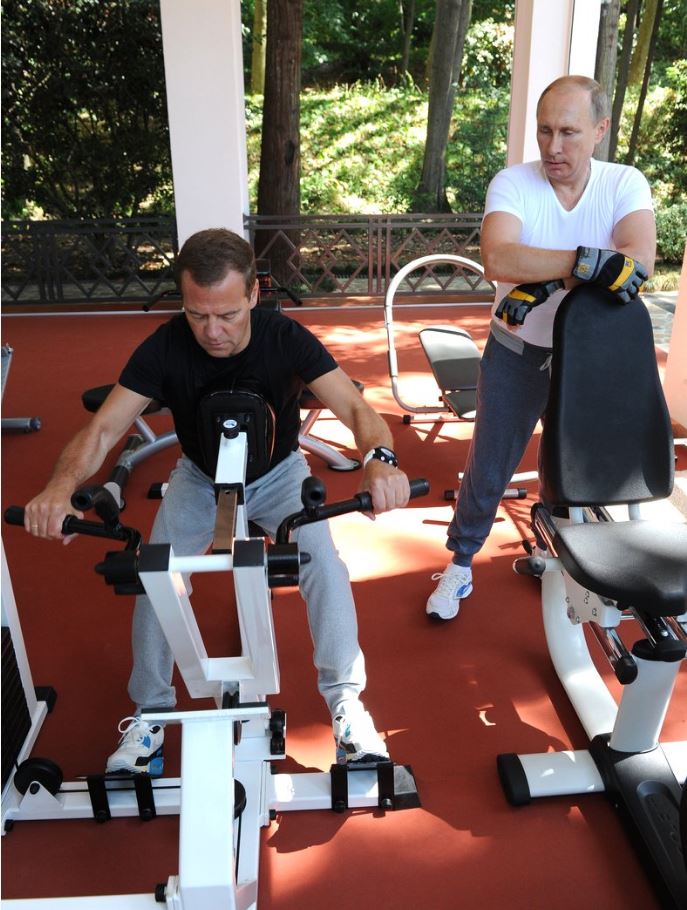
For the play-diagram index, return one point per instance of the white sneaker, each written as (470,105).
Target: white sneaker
(455,583)
(139,749)
(355,736)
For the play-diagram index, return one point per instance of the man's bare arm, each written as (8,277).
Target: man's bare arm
(388,485)
(506,259)
(81,459)
(635,236)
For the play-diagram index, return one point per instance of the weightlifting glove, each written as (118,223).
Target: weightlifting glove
(615,271)
(517,303)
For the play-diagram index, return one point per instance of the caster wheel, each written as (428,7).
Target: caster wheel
(39,770)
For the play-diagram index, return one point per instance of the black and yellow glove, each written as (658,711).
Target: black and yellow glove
(517,303)
(610,269)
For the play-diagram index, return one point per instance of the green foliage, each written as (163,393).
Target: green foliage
(477,147)
(662,142)
(84,115)
(362,147)
(488,56)
(671,228)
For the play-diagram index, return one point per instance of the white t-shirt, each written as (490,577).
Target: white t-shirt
(523,190)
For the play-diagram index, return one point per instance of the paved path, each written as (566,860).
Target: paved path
(661,307)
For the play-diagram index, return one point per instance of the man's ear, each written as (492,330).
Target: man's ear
(601,129)
(255,294)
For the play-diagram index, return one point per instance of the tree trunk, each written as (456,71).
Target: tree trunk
(407,24)
(658,9)
(257,60)
(606,58)
(623,69)
(448,38)
(280,160)
(641,51)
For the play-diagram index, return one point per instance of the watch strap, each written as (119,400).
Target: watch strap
(381,453)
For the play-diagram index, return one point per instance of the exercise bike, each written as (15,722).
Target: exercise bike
(226,791)
(144,442)
(607,444)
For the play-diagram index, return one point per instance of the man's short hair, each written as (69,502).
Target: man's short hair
(209,255)
(597,96)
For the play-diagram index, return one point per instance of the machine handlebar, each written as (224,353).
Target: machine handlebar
(109,528)
(315,509)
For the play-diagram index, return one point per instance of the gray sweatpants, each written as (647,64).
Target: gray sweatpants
(512,392)
(186,519)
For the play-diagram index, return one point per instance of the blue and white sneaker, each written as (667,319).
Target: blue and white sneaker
(357,741)
(139,749)
(455,584)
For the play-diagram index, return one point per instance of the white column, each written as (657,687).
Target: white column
(675,382)
(205,105)
(552,38)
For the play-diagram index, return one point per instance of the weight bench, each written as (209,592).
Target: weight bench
(451,353)
(145,442)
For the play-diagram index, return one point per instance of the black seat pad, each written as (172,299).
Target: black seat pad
(641,564)
(93,398)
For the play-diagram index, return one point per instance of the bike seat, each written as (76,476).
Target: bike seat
(640,564)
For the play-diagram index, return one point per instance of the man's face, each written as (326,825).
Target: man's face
(219,315)
(567,134)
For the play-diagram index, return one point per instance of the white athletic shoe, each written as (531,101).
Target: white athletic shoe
(355,736)
(455,583)
(139,749)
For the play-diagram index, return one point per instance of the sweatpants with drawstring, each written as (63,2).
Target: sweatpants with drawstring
(186,519)
(512,391)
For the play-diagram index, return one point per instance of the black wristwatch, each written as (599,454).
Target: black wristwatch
(381,453)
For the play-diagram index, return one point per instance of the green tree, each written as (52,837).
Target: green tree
(450,29)
(83,107)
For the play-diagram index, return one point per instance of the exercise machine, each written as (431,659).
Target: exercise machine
(25,424)
(226,791)
(606,448)
(450,351)
(145,442)
(452,354)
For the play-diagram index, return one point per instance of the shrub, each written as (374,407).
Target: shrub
(671,228)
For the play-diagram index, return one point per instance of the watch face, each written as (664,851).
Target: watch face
(387,452)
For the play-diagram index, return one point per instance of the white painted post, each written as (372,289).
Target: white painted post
(552,38)
(675,382)
(205,104)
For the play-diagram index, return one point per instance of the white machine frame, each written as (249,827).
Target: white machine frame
(635,723)
(219,746)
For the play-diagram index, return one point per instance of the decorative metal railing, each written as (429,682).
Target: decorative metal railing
(313,256)
(93,261)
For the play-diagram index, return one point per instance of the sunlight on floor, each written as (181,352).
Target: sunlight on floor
(396,543)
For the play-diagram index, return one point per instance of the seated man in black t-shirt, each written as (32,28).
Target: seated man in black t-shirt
(222,341)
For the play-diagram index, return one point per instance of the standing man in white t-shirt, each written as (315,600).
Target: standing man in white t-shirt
(548,226)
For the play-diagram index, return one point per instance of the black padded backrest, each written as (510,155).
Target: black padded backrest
(607,437)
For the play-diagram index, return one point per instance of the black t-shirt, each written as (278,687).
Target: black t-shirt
(279,360)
